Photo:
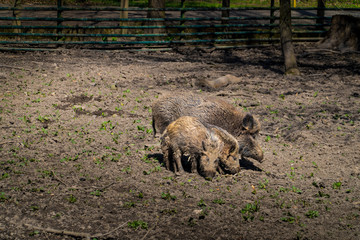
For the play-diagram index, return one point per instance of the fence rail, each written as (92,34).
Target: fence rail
(51,26)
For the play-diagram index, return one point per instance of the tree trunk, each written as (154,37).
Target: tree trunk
(286,38)
(156,14)
(124,14)
(225,13)
(58,15)
(344,34)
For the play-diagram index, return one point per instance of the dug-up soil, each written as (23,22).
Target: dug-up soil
(78,159)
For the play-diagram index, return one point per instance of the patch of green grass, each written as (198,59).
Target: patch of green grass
(96,193)
(4,176)
(172,211)
(263,184)
(290,218)
(168,196)
(34,208)
(154,169)
(72,199)
(34,233)
(126,170)
(107,125)
(322,194)
(249,210)
(138,224)
(129,204)
(3,197)
(296,190)
(192,222)
(68,158)
(219,201)
(201,203)
(336,185)
(312,214)
(292,173)
(43,119)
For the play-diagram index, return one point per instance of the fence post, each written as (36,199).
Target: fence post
(182,12)
(16,15)
(58,16)
(320,14)
(182,15)
(225,14)
(272,14)
(124,14)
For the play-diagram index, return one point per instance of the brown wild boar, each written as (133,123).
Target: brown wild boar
(209,148)
(209,110)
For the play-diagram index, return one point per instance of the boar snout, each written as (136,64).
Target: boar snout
(256,154)
(206,167)
(209,174)
(250,148)
(230,165)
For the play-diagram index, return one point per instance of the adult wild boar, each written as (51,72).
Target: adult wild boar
(209,110)
(209,148)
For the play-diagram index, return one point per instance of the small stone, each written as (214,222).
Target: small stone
(197,212)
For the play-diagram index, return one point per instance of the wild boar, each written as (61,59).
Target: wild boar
(209,148)
(209,110)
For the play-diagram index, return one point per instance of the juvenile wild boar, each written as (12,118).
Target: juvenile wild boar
(248,147)
(209,148)
(209,110)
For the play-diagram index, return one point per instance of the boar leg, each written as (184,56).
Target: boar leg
(167,154)
(193,162)
(177,161)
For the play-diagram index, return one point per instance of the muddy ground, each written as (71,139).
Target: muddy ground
(78,157)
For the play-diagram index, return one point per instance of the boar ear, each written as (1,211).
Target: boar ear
(248,122)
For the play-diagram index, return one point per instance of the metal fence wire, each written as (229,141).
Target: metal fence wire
(73,23)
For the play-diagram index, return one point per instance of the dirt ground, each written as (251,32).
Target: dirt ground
(78,157)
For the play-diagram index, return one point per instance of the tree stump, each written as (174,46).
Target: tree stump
(344,34)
